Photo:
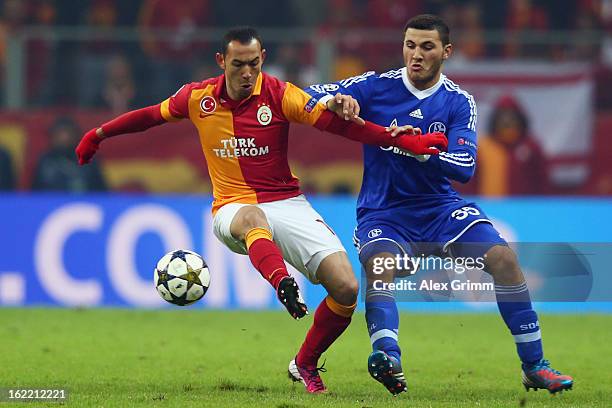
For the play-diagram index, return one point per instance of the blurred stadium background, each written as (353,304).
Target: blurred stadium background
(541,72)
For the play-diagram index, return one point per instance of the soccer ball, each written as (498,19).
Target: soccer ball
(181,277)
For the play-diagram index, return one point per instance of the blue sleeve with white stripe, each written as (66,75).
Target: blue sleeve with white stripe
(459,162)
(358,87)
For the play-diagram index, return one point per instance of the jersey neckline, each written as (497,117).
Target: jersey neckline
(417,92)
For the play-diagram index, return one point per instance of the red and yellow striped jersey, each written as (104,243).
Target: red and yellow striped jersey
(245,144)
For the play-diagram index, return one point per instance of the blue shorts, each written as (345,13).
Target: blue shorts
(455,228)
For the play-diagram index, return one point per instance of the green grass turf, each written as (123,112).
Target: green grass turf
(125,358)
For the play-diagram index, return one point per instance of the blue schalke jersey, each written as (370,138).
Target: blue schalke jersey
(394,178)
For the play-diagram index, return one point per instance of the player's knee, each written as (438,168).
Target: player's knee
(246,219)
(352,289)
(336,275)
(346,288)
(501,262)
(346,291)
(253,217)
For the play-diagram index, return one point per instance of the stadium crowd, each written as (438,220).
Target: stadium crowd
(135,53)
(110,72)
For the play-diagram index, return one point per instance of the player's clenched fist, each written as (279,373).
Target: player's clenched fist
(429,143)
(88,146)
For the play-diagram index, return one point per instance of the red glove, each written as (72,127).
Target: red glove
(88,146)
(429,143)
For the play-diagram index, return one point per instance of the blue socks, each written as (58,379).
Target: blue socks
(515,307)
(383,321)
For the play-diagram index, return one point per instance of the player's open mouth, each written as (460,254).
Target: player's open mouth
(416,67)
(246,86)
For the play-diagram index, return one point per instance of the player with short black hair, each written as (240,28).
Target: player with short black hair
(407,201)
(242,118)
(430,22)
(243,35)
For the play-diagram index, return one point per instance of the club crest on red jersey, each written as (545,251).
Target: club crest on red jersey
(208,104)
(264,114)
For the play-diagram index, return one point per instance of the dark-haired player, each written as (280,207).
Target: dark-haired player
(242,118)
(408,199)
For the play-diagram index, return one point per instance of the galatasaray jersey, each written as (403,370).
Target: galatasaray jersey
(245,144)
(394,178)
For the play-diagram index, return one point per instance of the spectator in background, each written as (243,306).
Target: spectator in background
(269,14)
(119,89)
(523,19)
(308,13)
(471,44)
(392,13)
(589,32)
(40,61)
(386,15)
(14,16)
(342,17)
(290,65)
(17,14)
(58,169)
(95,54)
(171,55)
(510,161)
(7,174)
(202,69)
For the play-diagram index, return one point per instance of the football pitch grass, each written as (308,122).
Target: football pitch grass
(180,358)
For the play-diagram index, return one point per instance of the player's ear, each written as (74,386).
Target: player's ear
(263,55)
(448,50)
(220,60)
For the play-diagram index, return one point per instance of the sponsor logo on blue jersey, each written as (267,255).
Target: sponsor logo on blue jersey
(462,141)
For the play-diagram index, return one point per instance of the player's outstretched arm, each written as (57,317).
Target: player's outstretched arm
(300,107)
(370,133)
(130,122)
(345,107)
(344,97)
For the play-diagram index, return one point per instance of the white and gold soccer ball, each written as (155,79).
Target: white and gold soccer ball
(181,277)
